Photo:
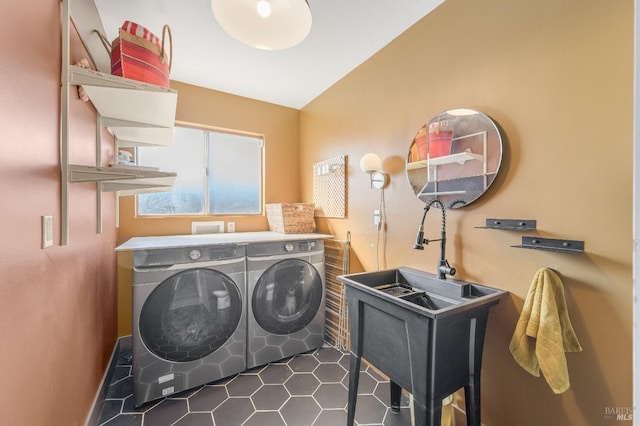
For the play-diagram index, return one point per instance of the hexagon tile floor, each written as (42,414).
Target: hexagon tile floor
(305,390)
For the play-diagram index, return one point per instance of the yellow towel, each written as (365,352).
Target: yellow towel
(544,333)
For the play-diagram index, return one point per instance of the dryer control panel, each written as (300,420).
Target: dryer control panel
(284,247)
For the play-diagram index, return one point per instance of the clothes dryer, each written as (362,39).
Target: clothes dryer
(286,299)
(189,322)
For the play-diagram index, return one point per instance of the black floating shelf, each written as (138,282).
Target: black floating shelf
(510,224)
(550,244)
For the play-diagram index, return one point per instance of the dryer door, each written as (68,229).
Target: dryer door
(190,315)
(287,296)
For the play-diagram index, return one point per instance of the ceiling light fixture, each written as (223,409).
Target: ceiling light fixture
(264,24)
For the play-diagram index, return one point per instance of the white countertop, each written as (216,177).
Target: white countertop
(173,241)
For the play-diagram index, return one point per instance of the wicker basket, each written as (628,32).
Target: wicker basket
(291,218)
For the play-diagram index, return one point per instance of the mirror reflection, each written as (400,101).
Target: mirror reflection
(455,157)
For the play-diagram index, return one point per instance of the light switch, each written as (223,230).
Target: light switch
(47,231)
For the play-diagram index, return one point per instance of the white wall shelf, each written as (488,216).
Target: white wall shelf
(80,173)
(460,158)
(136,113)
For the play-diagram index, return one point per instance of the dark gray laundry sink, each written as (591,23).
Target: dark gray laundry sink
(424,332)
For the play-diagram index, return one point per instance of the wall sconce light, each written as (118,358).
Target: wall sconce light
(370,163)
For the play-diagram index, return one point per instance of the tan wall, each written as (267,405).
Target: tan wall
(557,78)
(57,305)
(280,129)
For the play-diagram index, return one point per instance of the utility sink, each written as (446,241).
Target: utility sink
(429,295)
(425,333)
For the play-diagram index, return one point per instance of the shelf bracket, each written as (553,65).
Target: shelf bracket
(64,127)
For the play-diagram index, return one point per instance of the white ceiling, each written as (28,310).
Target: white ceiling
(344,34)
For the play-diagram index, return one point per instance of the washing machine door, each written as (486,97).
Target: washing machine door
(190,315)
(287,296)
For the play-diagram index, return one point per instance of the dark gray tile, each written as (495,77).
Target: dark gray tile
(128,406)
(233,412)
(376,376)
(119,373)
(275,374)
(366,383)
(121,389)
(302,384)
(303,363)
(369,410)
(110,409)
(345,361)
(265,418)
(329,373)
(222,381)
(331,418)
(166,413)
(270,397)
(125,420)
(195,419)
(331,395)
(328,354)
(208,398)
(401,418)
(307,389)
(243,385)
(383,393)
(300,410)
(125,356)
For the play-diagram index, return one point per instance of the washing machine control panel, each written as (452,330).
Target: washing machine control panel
(195,254)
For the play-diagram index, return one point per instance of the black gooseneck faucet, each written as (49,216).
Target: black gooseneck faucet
(444,268)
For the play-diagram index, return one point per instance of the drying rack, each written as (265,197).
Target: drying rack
(336,260)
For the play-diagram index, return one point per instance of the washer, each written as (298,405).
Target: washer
(285,314)
(189,325)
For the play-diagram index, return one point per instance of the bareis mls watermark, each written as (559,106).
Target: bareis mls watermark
(618,413)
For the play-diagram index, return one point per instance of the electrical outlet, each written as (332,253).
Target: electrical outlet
(376,217)
(231,227)
(47,231)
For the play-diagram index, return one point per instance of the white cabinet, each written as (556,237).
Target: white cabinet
(136,113)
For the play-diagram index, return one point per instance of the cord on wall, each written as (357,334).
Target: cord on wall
(378,226)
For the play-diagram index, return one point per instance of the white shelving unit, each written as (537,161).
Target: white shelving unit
(431,164)
(136,113)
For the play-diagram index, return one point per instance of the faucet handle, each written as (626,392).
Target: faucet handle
(419,239)
(446,269)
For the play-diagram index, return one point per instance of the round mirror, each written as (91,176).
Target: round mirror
(455,157)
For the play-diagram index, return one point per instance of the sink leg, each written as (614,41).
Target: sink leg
(396,394)
(428,416)
(354,377)
(472,389)
(472,403)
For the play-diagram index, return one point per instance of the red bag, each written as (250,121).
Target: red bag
(139,55)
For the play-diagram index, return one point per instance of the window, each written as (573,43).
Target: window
(218,173)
